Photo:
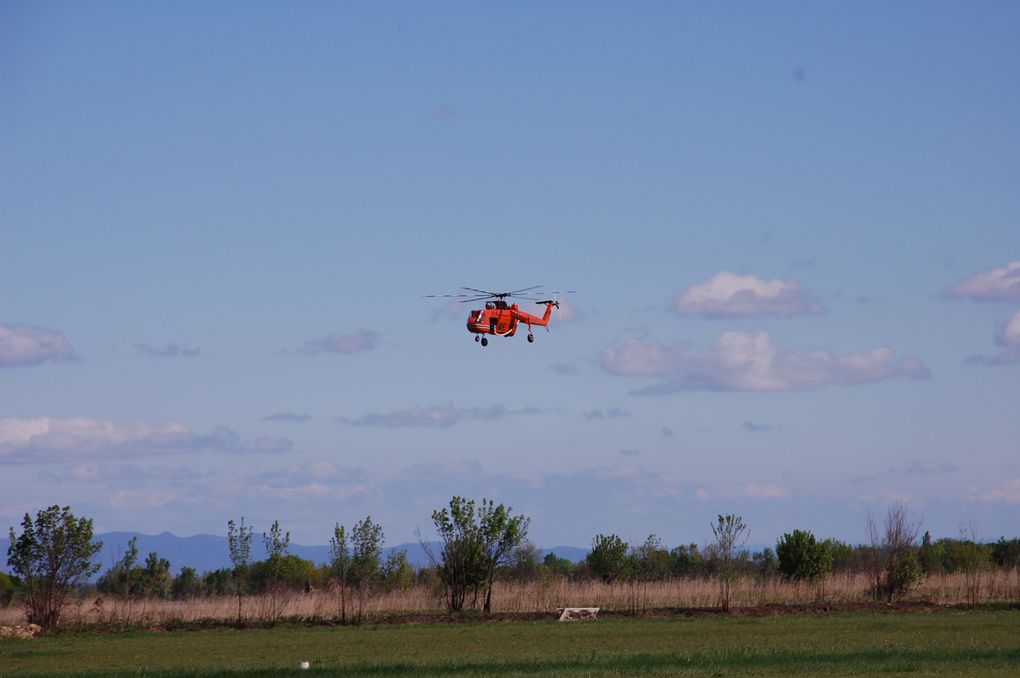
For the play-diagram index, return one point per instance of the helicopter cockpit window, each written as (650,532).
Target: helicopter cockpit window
(489,305)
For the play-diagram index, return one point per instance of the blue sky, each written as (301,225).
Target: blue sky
(794,229)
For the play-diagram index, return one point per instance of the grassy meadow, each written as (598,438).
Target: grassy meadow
(930,643)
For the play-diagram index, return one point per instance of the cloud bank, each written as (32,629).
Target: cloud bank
(745,362)
(287,416)
(166,351)
(47,439)
(728,295)
(441,416)
(21,346)
(997,284)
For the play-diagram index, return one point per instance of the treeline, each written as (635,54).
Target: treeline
(653,560)
(479,546)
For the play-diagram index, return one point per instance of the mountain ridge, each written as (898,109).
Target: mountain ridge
(206,552)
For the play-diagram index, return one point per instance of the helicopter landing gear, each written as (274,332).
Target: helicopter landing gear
(531,338)
(477,337)
(485,341)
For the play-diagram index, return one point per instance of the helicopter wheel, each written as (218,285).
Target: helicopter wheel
(477,337)
(485,342)
(531,338)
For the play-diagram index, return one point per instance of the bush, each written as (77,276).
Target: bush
(608,558)
(52,555)
(801,556)
(7,589)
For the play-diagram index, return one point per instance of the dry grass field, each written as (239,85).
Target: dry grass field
(996,586)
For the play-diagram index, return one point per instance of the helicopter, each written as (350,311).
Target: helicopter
(500,318)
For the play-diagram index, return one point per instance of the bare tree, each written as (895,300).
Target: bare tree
(969,557)
(894,564)
(730,531)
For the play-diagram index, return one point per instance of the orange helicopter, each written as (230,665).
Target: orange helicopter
(499,318)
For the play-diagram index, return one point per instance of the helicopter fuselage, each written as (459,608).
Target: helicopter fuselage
(500,319)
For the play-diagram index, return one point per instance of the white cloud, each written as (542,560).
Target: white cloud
(745,362)
(730,295)
(21,346)
(765,491)
(997,284)
(47,439)
(637,358)
(1007,492)
(362,340)
(147,498)
(1008,337)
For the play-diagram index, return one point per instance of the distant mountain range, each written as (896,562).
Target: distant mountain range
(206,552)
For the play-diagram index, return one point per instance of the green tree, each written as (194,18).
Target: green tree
(801,556)
(397,572)
(292,573)
(155,576)
(559,566)
(687,561)
(276,542)
(122,579)
(186,584)
(501,534)
(219,582)
(729,531)
(239,543)
(340,565)
(474,544)
(524,564)
(366,559)
(652,560)
(1006,553)
(766,563)
(608,557)
(7,589)
(966,555)
(931,556)
(52,555)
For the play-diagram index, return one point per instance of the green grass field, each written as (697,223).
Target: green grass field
(939,643)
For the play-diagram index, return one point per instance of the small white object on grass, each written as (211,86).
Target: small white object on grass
(574,613)
(305,665)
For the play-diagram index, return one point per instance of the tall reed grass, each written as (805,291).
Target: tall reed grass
(994,586)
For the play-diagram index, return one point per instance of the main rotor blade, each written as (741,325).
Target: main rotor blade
(468,301)
(524,290)
(485,292)
(437,296)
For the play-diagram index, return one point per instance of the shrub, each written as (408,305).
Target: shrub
(801,556)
